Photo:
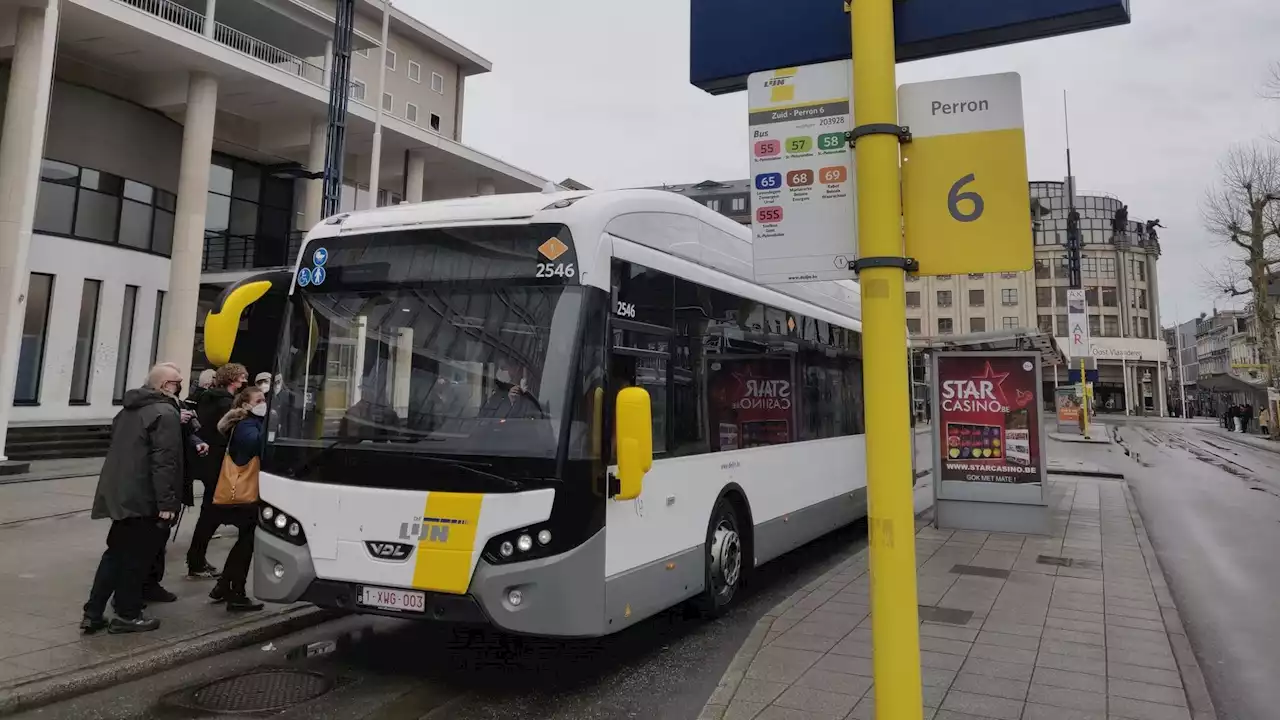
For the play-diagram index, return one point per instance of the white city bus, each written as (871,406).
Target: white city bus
(444,444)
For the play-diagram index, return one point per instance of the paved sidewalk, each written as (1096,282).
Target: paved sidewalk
(55,470)
(1251,439)
(1006,633)
(49,549)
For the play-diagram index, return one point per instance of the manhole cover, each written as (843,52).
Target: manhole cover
(260,691)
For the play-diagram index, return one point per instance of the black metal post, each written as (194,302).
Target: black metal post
(339,95)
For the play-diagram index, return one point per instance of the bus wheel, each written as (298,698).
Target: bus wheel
(724,559)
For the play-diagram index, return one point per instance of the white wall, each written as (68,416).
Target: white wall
(71,262)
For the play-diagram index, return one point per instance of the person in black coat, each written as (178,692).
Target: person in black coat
(212,406)
(139,490)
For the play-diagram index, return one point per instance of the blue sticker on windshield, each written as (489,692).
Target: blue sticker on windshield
(304,277)
(320,256)
(317,276)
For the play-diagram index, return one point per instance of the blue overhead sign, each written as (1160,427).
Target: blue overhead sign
(730,39)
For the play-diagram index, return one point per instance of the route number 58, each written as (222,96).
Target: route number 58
(959,202)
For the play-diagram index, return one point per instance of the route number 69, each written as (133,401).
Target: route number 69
(973,200)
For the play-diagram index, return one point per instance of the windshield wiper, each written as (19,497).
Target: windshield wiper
(471,467)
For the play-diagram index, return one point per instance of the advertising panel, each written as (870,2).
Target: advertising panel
(750,402)
(989,419)
(1067,401)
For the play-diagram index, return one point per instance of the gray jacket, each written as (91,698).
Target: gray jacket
(142,475)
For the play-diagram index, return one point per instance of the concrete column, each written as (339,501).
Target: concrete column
(210,10)
(21,146)
(1161,400)
(314,208)
(484,186)
(415,178)
(328,63)
(178,332)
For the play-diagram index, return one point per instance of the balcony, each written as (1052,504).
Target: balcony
(183,17)
(224,252)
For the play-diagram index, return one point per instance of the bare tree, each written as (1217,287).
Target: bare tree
(1271,86)
(1243,212)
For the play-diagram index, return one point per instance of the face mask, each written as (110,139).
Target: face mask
(259,410)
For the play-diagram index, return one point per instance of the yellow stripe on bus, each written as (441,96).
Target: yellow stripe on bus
(447,541)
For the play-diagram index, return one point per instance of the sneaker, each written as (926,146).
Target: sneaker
(218,593)
(208,572)
(90,624)
(243,604)
(157,594)
(135,625)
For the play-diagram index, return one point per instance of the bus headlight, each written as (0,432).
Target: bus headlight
(276,522)
(525,543)
(505,549)
(544,536)
(528,543)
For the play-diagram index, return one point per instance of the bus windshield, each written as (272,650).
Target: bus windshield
(466,355)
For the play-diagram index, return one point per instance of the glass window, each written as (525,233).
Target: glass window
(944,278)
(913,298)
(1042,269)
(1060,295)
(976,276)
(1144,327)
(1110,326)
(96,215)
(1142,299)
(1091,297)
(247,182)
(135,224)
(1044,297)
(739,203)
(1142,269)
(913,326)
(714,205)
(1110,297)
(388,102)
(944,326)
(437,82)
(1009,296)
(411,113)
(358,90)
(56,198)
(944,298)
(125,345)
(435,122)
(415,72)
(155,327)
(977,298)
(221,176)
(35,329)
(391,59)
(1045,323)
(1009,323)
(1089,266)
(977,324)
(1107,267)
(1133,298)
(1008,275)
(1095,325)
(1061,321)
(82,363)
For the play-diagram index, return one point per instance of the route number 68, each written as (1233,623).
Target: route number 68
(972,202)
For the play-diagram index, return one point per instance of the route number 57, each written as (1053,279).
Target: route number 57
(965,206)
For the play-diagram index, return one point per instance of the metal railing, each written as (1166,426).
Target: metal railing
(190,20)
(171,12)
(224,251)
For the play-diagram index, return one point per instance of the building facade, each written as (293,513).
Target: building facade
(1118,271)
(149,150)
(1184,367)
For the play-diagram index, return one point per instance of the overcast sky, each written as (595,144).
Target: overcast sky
(598,90)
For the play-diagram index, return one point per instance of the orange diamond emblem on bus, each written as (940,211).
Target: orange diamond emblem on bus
(553,248)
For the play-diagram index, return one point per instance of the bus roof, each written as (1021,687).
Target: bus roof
(661,220)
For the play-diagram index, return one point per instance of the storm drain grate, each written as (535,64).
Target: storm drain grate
(950,616)
(1055,560)
(980,571)
(260,691)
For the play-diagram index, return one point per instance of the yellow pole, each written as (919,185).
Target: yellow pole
(1084,399)
(895,628)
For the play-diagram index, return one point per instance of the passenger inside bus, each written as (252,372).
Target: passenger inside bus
(509,398)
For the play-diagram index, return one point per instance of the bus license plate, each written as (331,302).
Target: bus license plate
(391,599)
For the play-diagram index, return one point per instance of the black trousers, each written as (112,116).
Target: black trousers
(206,526)
(132,547)
(244,518)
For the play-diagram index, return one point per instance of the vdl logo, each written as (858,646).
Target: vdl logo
(388,550)
(429,529)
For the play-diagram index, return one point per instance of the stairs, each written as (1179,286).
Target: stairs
(57,442)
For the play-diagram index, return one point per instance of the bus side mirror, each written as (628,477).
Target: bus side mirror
(634,427)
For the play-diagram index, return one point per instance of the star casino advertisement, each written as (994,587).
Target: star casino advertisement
(989,419)
(750,402)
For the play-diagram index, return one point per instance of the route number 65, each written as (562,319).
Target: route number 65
(972,199)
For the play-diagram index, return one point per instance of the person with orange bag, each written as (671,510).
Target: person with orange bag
(235,497)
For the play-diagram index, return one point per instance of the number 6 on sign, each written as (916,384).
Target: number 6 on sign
(955,197)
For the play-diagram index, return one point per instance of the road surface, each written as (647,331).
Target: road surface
(1212,509)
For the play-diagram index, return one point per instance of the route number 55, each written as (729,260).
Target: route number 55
(972,201)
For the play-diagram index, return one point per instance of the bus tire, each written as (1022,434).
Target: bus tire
(726,546)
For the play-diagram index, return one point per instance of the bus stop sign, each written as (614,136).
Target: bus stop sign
(730,39)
